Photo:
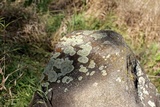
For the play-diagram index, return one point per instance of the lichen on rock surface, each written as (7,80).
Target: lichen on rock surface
(95,69)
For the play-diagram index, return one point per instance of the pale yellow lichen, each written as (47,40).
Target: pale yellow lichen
(87,73)
(80,78)
(69,50)
(77,40)
(87,32)
(152,104)
(95,84)
(83,69)
(86,49)
(118,79)
(92,73)
(92,64)
(97,36)
(101,67)
(104,72)
(83,59)
(66,89)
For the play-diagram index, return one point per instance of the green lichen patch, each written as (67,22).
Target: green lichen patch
(92,73)
(52,77)
(87,32)
(66,89)
(76,40)
(86,49)
(80,78)
(58,63)
(56,54)
(67,66)
(83,69)
(83,59)
(67,79)
(64,66)
(101,67)
(69,50)
(97,36)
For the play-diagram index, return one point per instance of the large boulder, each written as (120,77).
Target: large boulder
(94,69)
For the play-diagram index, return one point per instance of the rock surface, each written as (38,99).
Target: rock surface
(94,69)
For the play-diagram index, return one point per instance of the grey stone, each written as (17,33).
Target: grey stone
(110,77)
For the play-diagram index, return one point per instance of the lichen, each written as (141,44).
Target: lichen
(67,79)
(58,63)
(58,81)
(87,32)
(101,67)
(86,49)
(56,54)
(52,77)
(139,70)
(118,79)
(97,36)
(66,66)
(77,40)
(83,69)
(87,73)
(69,50)
(141,81)
(104,72)
(95,84)
(66,89)
(80,78)
(152,104)
(92,73)
(92,64)
(83,59)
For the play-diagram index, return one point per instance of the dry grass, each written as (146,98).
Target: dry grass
(22,24)
(141,16)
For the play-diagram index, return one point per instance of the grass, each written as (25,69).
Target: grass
(23,62)
(25,72)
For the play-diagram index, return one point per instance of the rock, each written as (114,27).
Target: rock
(94,69)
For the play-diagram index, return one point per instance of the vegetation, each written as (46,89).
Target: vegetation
(30,29)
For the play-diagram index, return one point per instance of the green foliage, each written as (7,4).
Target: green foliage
(79,22)
(23,64)
(42,5)
(54,22)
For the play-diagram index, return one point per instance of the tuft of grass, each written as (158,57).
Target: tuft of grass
(24,72)
(79,22)
(54,22)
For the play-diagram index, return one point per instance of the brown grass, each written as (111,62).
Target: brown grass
(22,24)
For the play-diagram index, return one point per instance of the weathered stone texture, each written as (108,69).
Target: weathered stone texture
(94,69)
